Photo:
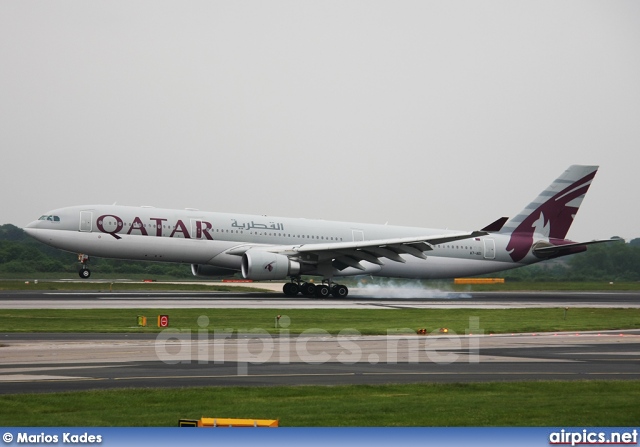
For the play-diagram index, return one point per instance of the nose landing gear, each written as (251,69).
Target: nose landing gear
(84,272)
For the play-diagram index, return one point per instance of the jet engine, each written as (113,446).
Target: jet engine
(211,270)
(258,265)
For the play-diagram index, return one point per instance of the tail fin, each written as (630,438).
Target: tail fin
(551,214)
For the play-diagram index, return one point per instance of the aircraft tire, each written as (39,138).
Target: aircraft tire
(322,291)
(339,291)
(308,289)
(291,289)
(84,273)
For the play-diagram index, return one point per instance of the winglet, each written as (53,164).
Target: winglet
(497,225)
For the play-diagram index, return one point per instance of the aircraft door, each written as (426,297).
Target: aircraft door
(358,235)
(196,228)
(489,249)
(86,219)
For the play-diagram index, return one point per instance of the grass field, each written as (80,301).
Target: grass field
(365,321)
(593,403)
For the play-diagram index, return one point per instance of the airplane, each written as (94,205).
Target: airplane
(283,248)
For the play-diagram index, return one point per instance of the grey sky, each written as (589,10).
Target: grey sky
(423,113)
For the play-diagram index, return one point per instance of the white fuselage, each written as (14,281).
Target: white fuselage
(218,239)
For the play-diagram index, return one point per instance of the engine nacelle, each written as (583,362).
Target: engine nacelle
(211,270)
(257,265)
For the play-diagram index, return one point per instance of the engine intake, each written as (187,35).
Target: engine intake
(258,265)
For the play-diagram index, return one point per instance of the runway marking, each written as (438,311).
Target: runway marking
(20,378)
(226,376)
(53,368)
(42,378)
(503,373)
(211,295)
(609,359)
(258,376)
(600,353)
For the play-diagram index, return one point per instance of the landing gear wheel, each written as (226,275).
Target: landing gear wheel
(291,289)
(339,291)
(308,289)
(84,273)
(322,291)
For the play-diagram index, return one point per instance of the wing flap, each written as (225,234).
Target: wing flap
(410,250)
(426,241)
(362,255)
(385,252)
(349,262)
(348,253)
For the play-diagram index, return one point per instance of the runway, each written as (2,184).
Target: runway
(39,362)
(72,362)
(357,299)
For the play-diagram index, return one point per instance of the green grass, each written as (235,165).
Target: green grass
(366,321)
(589,403)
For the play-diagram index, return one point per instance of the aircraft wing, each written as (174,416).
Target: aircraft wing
(349,254)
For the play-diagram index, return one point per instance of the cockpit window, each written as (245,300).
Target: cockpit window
(50,218)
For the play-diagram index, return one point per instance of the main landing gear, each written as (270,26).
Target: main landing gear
(84,272)
(311,290)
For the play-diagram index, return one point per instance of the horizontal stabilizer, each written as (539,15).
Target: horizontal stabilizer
(553,251)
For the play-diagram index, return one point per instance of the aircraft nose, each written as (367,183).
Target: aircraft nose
(35,224)
(31,231)
(32,228)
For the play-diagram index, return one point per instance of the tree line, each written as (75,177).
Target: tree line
(22,255)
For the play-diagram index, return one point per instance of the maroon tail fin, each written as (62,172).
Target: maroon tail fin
(551,214)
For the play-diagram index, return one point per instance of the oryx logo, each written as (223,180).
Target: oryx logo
(550,219)
(269,266)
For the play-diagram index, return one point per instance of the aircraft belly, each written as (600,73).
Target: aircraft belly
(147,248)
(435,267)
